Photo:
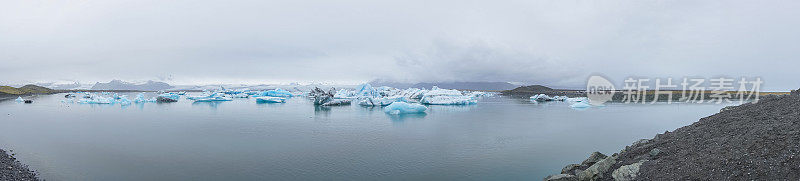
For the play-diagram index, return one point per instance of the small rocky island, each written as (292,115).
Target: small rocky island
(753,141)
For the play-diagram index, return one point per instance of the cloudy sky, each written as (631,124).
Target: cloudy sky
(553,42)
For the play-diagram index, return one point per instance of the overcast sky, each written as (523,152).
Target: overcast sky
(553,42)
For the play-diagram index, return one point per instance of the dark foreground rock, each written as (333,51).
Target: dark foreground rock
(11,169)
(754,141)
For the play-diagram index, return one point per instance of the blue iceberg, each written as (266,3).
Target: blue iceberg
(267,99)
(213,99)
(439,96)
(168,97)
(404,108)
(277,93)
(19,99)
(384,101)
(580,105)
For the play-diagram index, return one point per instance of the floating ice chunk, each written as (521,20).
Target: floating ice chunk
(404,108)
(446,97)
(277,93)
(96,99)
(580,105)
(577,99)
(213,99)
(541,98)
(385,101)
(182,93)
(560,98)
(345,94)
(366,90)
(449,100)
(267,99)
(140,99)
(478,94)
(19,99)
(168,97)
(123,100)
(414,93)
(241,95)
(337,102)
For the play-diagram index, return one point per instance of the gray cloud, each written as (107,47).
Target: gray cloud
(548,42)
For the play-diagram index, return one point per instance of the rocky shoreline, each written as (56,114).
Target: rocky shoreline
(11,169)
(753,141)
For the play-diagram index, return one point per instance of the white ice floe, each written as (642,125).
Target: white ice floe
(96,99)
(404,108)
(384,101)
(168,97)
(580,105)
(267,99)
(446,97)
(277,93)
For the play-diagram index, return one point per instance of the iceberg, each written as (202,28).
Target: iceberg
(337,102)
(213,99)
(168,97)
(439,96)
(241,95)
(577,99)
(404,108)
(205,95)
(323,98)
(123,100)
(267,99)
(580,105)
(19,99)
(277,93)
(385,101)
(366,90)
(345,94)
(541,98)
(96,99)
(140,99)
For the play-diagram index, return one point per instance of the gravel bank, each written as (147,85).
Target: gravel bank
(754,141)
(11,169)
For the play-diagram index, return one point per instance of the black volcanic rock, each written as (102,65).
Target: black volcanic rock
(121,85)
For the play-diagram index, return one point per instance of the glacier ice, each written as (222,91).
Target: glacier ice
(96,99)
(168,97)
(439,96)
(19,99)
(323,98)
(140,99)
(267,99)
(384,101)
(366,90)
(541,98)
(404,108)
(580,105)
(276,93)
(123,100)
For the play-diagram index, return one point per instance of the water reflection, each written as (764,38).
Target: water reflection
(212,105)
(405,117)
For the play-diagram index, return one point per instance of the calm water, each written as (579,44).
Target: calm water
(497,139)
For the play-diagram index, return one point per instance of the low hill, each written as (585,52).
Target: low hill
(27,89)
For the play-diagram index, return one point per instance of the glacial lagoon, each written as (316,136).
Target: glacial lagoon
(499,138)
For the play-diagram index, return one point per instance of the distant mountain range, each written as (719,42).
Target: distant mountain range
(121,85)
(492,86)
